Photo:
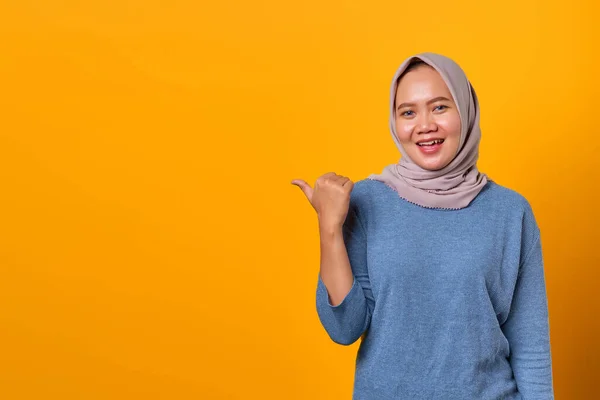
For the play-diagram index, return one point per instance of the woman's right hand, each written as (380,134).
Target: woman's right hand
(330,198)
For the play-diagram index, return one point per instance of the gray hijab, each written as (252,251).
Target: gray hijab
(457,184)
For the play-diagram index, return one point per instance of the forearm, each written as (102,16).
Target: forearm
(528,331)
(335,269)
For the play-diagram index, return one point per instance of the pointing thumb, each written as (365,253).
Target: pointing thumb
(306,189)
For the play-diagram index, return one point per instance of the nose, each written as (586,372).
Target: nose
(426,123)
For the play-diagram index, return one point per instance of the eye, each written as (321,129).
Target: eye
(441,106)
(404,114)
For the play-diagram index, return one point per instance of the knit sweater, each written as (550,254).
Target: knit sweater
(449,304)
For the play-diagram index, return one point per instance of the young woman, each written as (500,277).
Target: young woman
(435,266)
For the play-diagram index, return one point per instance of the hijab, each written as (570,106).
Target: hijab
(458,183)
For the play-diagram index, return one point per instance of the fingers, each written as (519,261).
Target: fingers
(329,178)
(343,181)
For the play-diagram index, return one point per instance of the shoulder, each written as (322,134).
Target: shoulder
(504,198)
(369,188)
(519,210)
(366,196)
(367,191)
(362,188)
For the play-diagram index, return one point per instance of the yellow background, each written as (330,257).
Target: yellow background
(151,244)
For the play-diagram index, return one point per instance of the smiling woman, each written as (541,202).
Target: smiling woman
(427,119)
(431,99)
(434,266)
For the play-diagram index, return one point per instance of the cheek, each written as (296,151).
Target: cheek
(451,125)
(404,130)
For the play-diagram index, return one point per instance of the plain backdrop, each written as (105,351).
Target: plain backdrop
(151,244)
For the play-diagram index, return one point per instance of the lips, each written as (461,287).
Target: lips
(431,147)
(431,142)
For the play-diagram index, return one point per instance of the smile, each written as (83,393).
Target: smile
(431,147)
(431,142)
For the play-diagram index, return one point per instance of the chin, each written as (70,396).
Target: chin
(431,162)
(431,165)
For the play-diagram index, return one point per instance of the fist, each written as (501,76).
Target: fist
(330,197)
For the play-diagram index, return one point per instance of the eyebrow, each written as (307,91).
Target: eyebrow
(439,98)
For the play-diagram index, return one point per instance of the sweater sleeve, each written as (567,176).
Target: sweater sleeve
(527,328)
(348,320)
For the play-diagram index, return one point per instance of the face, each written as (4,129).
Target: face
(427,120)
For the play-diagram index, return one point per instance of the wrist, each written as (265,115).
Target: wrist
(329,228)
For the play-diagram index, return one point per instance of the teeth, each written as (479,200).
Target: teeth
(431,142)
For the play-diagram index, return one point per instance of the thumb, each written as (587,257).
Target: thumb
(306,189)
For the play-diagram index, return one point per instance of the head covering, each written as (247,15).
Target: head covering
(458,183)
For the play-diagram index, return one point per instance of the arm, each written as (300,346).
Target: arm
(344,298)
(527,328)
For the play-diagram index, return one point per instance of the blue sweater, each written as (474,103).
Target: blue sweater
(450,304)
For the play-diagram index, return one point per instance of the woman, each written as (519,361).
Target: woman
(438,268)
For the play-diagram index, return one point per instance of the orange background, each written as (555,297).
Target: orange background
(152,246)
